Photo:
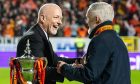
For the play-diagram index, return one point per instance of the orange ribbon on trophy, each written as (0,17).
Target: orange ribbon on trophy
(41,71)
(16,76)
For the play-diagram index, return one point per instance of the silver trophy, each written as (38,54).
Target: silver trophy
(27,65)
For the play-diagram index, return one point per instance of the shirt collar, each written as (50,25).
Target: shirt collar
(45,33)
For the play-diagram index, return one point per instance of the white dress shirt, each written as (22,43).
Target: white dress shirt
(45,33)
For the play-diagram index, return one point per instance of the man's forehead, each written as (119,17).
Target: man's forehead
(50,8)
(54,12)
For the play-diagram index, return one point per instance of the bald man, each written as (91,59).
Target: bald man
(48,22)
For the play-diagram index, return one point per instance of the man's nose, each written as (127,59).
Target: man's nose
(60,22)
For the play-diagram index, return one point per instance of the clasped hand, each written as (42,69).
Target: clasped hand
(74,65)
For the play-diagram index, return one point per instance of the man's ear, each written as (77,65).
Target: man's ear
(42,18)
(98,20)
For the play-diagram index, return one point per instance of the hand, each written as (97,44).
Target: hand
(59,65)
(81,61)
(77,65)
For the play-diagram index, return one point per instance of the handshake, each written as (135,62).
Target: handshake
(77,64)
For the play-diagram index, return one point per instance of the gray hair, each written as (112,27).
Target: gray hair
(104,10)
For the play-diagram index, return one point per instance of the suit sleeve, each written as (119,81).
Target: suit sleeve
(67,60)
(96,62)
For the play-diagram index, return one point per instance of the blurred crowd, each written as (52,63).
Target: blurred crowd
(17,16)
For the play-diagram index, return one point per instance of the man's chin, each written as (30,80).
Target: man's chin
(53,33)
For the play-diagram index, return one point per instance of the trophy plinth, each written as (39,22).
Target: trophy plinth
(26,69)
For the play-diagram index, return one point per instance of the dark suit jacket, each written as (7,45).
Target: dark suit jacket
(41,47)
(107,60)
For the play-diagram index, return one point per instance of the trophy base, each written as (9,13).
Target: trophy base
(29,82)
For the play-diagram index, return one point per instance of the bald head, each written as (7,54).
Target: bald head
(48,9)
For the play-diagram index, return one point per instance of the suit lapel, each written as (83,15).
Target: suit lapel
(46,41)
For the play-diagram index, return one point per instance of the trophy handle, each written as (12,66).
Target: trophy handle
(40,69)
(46,61)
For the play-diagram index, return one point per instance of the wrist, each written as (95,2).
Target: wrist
(62,68)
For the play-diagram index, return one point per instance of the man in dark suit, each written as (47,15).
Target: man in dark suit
(49,20)
(107,60)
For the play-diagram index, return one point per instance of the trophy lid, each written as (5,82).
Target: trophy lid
(27,51)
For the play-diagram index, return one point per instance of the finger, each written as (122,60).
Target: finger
(76,61)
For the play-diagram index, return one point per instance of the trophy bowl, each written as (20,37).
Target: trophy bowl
(26,69)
